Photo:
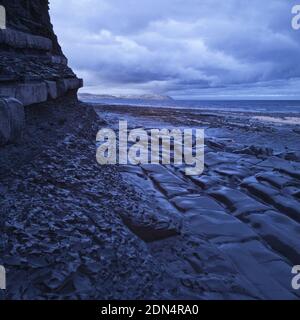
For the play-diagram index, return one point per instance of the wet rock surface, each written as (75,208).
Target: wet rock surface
(62,229)
(75,230)
(240,218)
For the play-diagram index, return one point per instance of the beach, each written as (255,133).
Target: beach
(239,220)
(149,151)
(75,229)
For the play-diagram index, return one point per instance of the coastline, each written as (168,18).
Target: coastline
(244,207)
(62,214)
(197,112)
(267,129)
(128,232)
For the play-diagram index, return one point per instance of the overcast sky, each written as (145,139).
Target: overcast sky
(182,48)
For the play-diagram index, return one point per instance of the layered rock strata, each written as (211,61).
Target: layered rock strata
(33,68)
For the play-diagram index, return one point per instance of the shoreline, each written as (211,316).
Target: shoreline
(75,229)
(202,110)
(232,125)
(65,217)
(244,207)
(256,115)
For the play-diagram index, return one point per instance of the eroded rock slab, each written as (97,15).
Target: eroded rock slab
(12,120)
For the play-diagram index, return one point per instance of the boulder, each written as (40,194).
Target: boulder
(12,120)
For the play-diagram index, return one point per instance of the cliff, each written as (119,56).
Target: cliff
(31,17)
(62,235)
(33,68)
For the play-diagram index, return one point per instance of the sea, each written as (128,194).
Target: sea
(257,106)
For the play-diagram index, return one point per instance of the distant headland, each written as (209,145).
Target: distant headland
(155,97)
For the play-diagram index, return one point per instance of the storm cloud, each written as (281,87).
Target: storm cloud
(183,48)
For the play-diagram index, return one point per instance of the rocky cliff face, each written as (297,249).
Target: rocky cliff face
(31,17)
(33,68)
